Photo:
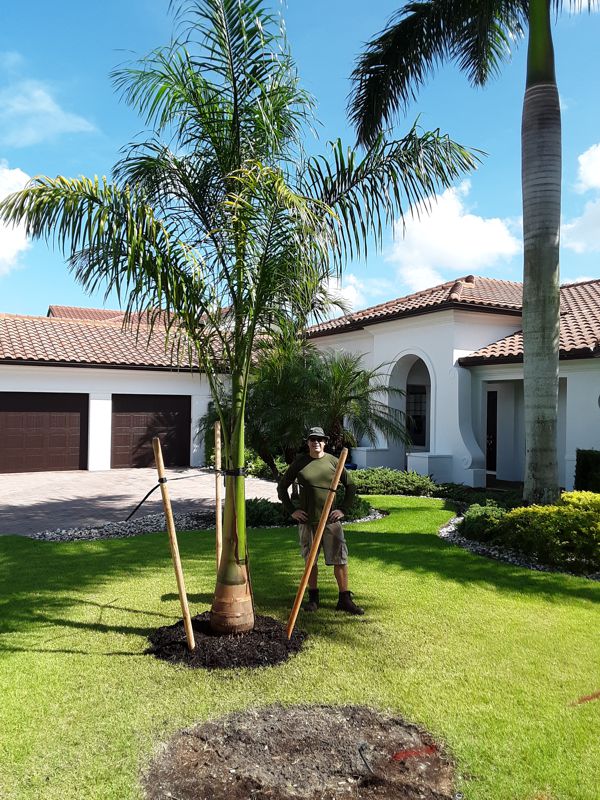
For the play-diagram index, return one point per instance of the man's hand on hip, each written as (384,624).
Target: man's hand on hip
(300,516)
(336,515)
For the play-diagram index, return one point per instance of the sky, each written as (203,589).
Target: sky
(60,115)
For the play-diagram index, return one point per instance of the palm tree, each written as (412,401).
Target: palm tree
(479,36)
(218,226)
(351,405)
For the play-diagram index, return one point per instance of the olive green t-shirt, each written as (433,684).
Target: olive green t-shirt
(314,476)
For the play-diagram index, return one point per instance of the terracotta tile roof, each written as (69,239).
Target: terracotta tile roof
(74,312)
(468,292)
(579,329)
(75,340)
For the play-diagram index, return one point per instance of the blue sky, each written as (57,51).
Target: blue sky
(59,114)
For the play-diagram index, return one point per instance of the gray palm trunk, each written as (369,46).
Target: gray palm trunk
(541,184)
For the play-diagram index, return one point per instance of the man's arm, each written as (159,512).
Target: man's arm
(349,495)
(284,484)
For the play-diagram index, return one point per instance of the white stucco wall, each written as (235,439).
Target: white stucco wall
(578,415)
(439,339)
(100,385)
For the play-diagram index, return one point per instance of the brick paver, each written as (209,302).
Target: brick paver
(37,501)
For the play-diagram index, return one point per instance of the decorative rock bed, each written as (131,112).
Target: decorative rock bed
(147,524)
(450,534)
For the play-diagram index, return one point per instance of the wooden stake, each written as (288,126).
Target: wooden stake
(160,467)
(218,501)
(312,556)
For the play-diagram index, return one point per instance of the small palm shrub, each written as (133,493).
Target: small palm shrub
(382,480)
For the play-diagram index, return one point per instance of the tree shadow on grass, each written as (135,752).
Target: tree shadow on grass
(47,583)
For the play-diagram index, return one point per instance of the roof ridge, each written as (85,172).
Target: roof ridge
(75,321)
(579,283)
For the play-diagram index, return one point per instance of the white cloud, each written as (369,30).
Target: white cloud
(449,238)
(358,293)
(29,115)
(582,235)
(10,60)
(589,169)
(13,240)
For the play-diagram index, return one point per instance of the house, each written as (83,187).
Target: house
(80,391)
(456,350)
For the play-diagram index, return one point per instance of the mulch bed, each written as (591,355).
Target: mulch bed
(302,753)
(264,646)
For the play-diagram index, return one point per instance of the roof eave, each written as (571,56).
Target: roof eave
(361,324)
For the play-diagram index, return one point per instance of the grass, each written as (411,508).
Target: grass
(487,656)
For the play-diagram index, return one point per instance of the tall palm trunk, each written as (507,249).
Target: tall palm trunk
(541,176)
(232,608)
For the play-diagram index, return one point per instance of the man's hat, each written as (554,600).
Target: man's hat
(317,433)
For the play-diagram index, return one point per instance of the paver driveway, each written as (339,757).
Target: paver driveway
(38,501)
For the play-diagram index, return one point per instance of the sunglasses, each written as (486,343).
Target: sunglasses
(316,439)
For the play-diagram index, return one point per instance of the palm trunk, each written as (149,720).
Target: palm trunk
(232,609)
(541,176)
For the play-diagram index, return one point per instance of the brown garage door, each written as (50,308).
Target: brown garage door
(137,418)
(43,431)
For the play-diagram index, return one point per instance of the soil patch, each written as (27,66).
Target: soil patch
(264,646)
(302,753)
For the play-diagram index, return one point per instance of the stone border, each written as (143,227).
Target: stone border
(449,533)
(151,523)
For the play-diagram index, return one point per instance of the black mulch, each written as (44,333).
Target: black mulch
(264,646)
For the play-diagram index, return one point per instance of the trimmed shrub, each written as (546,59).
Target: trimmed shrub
(257,468)
(382,480)
(563,536)
(469,495)
(480,522)
(587,501)
(587,470)
(262,513)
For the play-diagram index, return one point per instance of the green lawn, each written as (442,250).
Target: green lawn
(487,656)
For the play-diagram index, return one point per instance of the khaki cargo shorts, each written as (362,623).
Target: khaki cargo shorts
(333,543)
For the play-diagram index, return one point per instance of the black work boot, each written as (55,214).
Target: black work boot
(347,604)
(313,600)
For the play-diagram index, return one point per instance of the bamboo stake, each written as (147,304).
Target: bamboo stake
(312,556)
(160,467)
(218,501)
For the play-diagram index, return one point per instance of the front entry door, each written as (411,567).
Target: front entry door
(492,431)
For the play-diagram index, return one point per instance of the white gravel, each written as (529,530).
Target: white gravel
(145,524)
(450,533)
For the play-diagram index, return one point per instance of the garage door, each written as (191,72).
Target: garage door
(43,431)
(136,419)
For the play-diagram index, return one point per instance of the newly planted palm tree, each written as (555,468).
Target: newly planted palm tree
(478,35)
(218,226)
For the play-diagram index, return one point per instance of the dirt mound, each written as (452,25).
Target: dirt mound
(302,753)
(264,646)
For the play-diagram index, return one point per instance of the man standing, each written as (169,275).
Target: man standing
(314,472)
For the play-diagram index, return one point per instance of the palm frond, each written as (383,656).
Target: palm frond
(417,40)
(368,193)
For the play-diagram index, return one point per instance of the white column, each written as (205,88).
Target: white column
(100,431)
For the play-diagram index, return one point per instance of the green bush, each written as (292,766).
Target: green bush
(587,501)
(563,536)
(262,513)
(257,468)
(480,522)
(587,470)
(382,480)
(468,495)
